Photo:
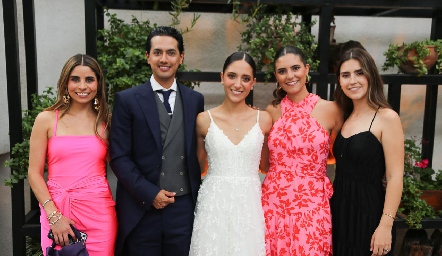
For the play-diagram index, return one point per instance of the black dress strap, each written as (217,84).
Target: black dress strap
(374,118)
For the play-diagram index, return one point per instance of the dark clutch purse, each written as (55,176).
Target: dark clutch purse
(75,248)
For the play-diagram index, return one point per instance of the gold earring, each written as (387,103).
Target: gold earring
(66,99)
(96,104)
(278,87)
(307,80)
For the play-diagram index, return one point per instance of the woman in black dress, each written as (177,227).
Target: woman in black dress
(369,147)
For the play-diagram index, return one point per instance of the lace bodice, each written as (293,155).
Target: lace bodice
(228,159)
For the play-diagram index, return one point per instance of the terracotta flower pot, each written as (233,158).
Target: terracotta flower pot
(433,198)
(408,66)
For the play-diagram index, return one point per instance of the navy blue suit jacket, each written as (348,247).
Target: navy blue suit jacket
(136,150)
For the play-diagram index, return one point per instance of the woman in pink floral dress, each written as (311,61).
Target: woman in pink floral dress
(296,190)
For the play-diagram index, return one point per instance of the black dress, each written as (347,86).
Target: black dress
(358,198)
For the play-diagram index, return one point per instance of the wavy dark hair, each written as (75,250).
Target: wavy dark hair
(375,91)
(103,113)
(279,93)
(240,56)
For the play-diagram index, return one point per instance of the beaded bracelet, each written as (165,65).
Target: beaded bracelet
(50,216)
(45,202)
(55,221)
(389,215)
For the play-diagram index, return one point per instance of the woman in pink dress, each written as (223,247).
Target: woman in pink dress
(71,138)
(296,190)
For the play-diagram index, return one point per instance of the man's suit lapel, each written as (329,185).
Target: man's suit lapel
(189,123)
(146,101)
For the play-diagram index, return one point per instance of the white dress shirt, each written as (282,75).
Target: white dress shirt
(156,86)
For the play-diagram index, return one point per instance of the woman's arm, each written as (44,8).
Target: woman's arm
(392,139)
(202,126)
(265,122)
(336,113)
(37,158)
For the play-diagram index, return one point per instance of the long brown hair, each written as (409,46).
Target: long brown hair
(103,113)
(375,91)
(279,93)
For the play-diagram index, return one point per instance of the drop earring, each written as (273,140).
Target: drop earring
(96,104)
(278,87)
(66,99)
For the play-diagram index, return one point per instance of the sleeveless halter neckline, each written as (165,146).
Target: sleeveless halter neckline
(296,189)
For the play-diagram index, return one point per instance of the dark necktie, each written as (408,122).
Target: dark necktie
(166,95)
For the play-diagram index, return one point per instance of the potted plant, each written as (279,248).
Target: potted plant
(421,198)
(422,192)
(268,29)
(414,58)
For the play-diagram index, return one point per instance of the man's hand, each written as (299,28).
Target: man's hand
(163,198)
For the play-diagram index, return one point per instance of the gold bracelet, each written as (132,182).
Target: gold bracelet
(51,215)
(389,215)
(55,221)
(45,202)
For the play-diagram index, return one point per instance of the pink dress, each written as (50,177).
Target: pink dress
(296,190)
(79,188)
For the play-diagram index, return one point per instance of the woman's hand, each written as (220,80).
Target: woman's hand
(61,229)
(381,240)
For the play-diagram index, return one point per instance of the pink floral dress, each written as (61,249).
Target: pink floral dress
(296,190)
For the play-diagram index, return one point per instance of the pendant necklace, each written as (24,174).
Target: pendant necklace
(240,120)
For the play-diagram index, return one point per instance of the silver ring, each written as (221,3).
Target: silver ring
(386,250)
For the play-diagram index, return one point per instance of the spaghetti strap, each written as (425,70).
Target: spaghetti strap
(373,118)
(257,117)
(210,115)
(56,122)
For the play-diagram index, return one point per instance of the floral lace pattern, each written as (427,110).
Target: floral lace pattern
(229,219)
(296,190)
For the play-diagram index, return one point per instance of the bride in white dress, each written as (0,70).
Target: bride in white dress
(229,220)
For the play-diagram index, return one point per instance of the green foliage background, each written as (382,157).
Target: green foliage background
(417,179)
(267,31)
(121,52)
(19,160)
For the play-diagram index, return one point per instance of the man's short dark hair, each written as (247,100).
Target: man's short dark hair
(165,31)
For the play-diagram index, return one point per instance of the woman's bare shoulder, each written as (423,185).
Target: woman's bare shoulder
(328,106)
(45,117)
(388,115)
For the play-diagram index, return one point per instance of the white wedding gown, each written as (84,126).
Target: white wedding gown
(229,220)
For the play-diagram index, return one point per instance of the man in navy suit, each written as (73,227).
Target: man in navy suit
(153,155)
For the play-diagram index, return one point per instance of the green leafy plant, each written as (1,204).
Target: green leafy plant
(413,55)
(33,247)
(417,177)
(121,49)
(267,30)
(19,160)
(121,53)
